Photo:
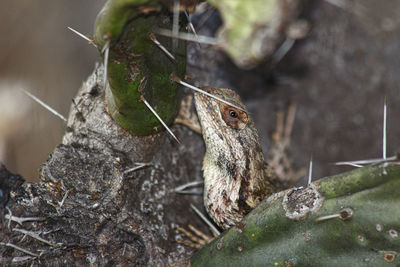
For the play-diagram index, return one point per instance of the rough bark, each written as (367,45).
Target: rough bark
(90,209)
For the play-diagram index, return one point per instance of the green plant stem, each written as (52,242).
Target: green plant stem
(137,68)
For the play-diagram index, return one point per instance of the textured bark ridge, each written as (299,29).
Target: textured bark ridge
(90,209)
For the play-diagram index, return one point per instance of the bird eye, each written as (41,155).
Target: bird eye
(233,114)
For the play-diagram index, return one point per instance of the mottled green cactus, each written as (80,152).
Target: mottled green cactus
(253,29)
(137,68)
(294,227)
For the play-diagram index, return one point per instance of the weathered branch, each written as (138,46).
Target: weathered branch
(93,206)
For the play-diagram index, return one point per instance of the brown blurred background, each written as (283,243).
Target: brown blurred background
(338,75)
(39,54)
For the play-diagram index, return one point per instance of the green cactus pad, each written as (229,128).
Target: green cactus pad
(352,219)
(137,68)
(253,29)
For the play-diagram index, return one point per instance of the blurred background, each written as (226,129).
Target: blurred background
(339,76)
(40,55)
